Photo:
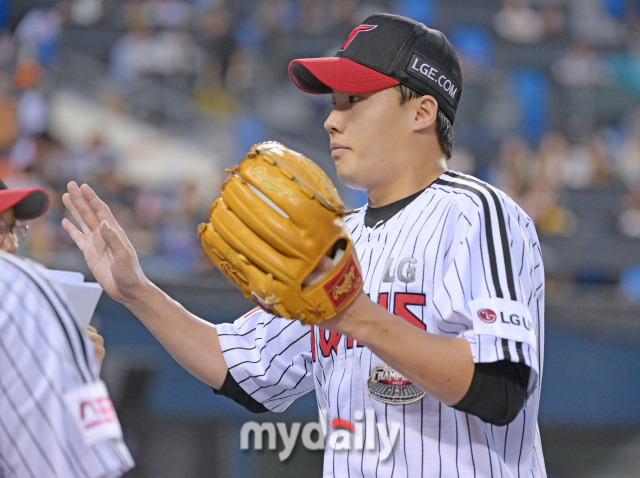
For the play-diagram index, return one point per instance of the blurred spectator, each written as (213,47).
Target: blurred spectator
(7,49)
(32,112)
(516,21)
(515,170)
(625,65)
(601,161)
(215,34)
(129,56)
(553,160)
(86,12)
(38,33)
(168,56)
(535,179)
(8,117)
(462,160)
(629,160)
(629,217)
(167,13)
(32,108)
(91,162)
(540,202)
(580,67)
(592,21)
(589,164)
(553,20)
(51,161)
(500,112)
(172,58)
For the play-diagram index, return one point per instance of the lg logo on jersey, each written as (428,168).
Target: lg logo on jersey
(405,271)
(92,410)
(96,412)
(363,434)
(489,316)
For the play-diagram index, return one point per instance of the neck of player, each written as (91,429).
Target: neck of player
(419,174)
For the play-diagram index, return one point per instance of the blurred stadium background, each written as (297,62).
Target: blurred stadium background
(149,101)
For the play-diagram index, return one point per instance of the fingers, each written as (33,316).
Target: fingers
(114,242)
(97,205)
(88,210)
(94,335)
(86,207)
(96,222)
(79,208)
(102,211)
(325,265)
(78,237)
(98,343)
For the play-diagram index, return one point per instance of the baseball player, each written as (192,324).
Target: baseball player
(433,367)
(17,206)
(56,419)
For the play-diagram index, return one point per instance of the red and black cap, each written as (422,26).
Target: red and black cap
(27,203)
(384,51)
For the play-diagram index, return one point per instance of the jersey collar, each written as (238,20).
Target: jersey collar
(375,216)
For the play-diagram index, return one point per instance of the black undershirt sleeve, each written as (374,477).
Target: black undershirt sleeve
(235,392)
(497,392)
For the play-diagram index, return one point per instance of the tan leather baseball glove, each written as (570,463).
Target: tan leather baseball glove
(278,215)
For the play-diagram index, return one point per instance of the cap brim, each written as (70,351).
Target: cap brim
(27,203)
(324,75)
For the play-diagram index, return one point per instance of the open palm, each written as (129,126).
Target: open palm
(107,250)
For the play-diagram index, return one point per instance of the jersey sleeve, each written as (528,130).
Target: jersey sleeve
(59,418)
(492,292)
(269,357)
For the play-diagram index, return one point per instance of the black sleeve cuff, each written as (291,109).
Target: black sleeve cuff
(497,392)
(235,392)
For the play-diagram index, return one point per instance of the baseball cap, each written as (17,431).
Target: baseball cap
(384,51)
(27,203)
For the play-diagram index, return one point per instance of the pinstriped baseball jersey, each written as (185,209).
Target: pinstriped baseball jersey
(56,418)
(460,260)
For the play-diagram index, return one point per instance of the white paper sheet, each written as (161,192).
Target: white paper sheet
(83,296)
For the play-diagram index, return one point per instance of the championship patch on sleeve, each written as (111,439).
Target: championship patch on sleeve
(92,409)
(503,318)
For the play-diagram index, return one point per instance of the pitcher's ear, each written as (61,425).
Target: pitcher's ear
(426,112)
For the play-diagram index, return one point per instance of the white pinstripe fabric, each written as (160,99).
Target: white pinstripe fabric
(459,241)
(43,355)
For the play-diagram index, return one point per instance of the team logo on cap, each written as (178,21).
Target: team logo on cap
(390,386)
(487,315)
(356,30)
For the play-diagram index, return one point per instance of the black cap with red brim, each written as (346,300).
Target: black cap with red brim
(27,203)
(384,51)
